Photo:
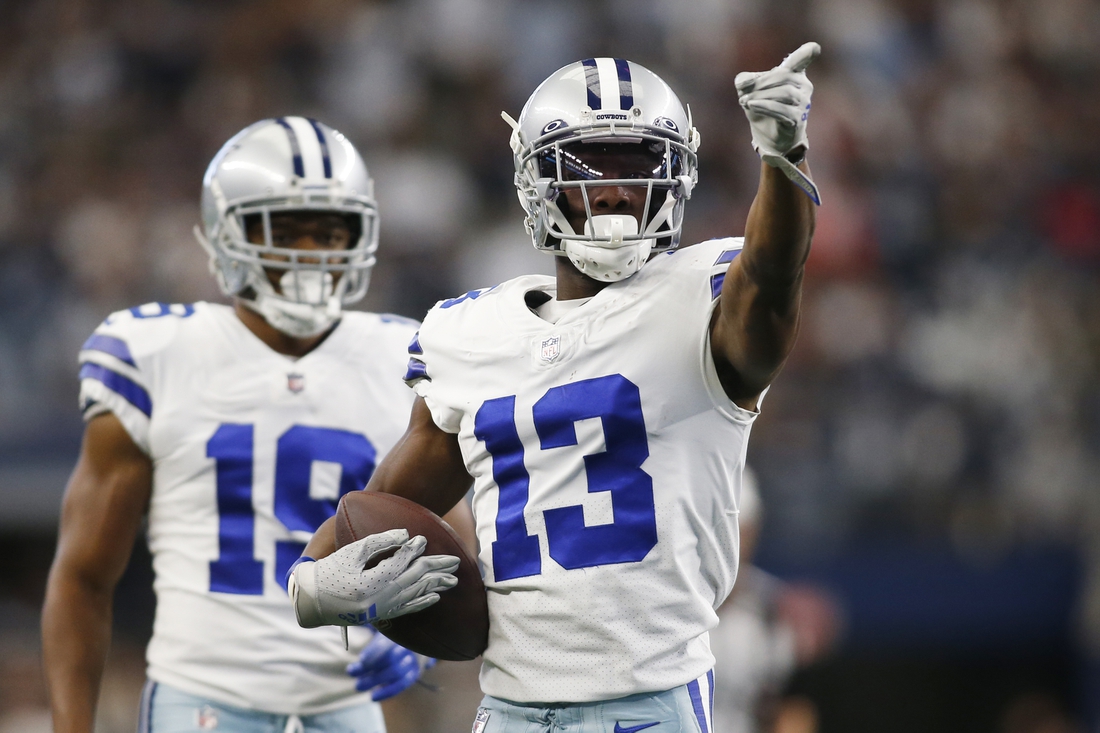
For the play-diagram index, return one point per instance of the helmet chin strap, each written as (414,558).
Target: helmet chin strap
(294,318)
(606,256)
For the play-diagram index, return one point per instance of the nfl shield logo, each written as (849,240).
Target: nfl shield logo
(551,347)
(480,721)
(206,718)
(295,382)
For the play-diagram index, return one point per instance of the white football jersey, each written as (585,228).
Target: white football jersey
(607,463)
(251,451)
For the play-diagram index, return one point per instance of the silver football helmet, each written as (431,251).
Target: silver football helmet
(278,165)
(603,100)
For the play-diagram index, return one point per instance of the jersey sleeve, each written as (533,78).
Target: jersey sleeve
(117,365)
(718,255)
(418,375)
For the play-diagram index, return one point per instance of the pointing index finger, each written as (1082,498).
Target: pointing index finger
(801,57)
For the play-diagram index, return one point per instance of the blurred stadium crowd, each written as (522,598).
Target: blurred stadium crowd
(946,387)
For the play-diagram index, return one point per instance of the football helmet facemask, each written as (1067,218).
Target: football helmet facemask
(288,164)
(608,102)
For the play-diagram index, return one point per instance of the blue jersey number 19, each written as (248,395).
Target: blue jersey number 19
(572,544)
(237,570)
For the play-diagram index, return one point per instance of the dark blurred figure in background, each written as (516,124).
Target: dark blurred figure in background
(767,629)
(942,408)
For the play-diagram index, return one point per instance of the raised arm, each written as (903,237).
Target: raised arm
(755,323)
(104,503)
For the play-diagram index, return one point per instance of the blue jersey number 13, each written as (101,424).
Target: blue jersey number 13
(633,533)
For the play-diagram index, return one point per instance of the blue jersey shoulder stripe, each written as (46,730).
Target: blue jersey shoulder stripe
(716,284)
(295,149)
(116,347)
(626,88)
(127,388)
(325,160)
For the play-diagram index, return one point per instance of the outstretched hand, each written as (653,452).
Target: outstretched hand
(386,669)
(777,103)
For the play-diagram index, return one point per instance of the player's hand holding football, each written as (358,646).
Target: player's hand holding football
(777,103)
(386,668)
(340,590)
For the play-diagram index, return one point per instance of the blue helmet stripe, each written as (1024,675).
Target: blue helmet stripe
(716,284)
(125,387)
(116,347)
(295,150)
(592,79)
(626,88)
(324,147)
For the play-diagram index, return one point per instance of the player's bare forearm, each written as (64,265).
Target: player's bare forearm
(101,515)
(425,466)
(755,324)
(76,634)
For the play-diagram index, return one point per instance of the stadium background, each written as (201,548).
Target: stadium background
(930,453)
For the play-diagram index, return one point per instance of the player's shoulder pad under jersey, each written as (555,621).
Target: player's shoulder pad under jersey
(377,337)
(715,255)
(115,360)
(446,325)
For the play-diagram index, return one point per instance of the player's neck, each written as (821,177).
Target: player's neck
(572,283)
(275,339)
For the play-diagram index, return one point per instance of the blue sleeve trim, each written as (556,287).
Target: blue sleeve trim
(125,387)
(414,345)
(116,347)
(417,370)
(716,284)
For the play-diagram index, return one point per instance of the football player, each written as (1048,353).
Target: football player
(603,414)
(233,431)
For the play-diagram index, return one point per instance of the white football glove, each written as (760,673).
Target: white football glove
(777,103)
(338,590)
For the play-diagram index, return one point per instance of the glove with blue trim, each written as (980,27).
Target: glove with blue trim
(386,668)
(777,103)
(340,590)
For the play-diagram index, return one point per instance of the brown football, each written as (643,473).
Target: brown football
(457,626)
